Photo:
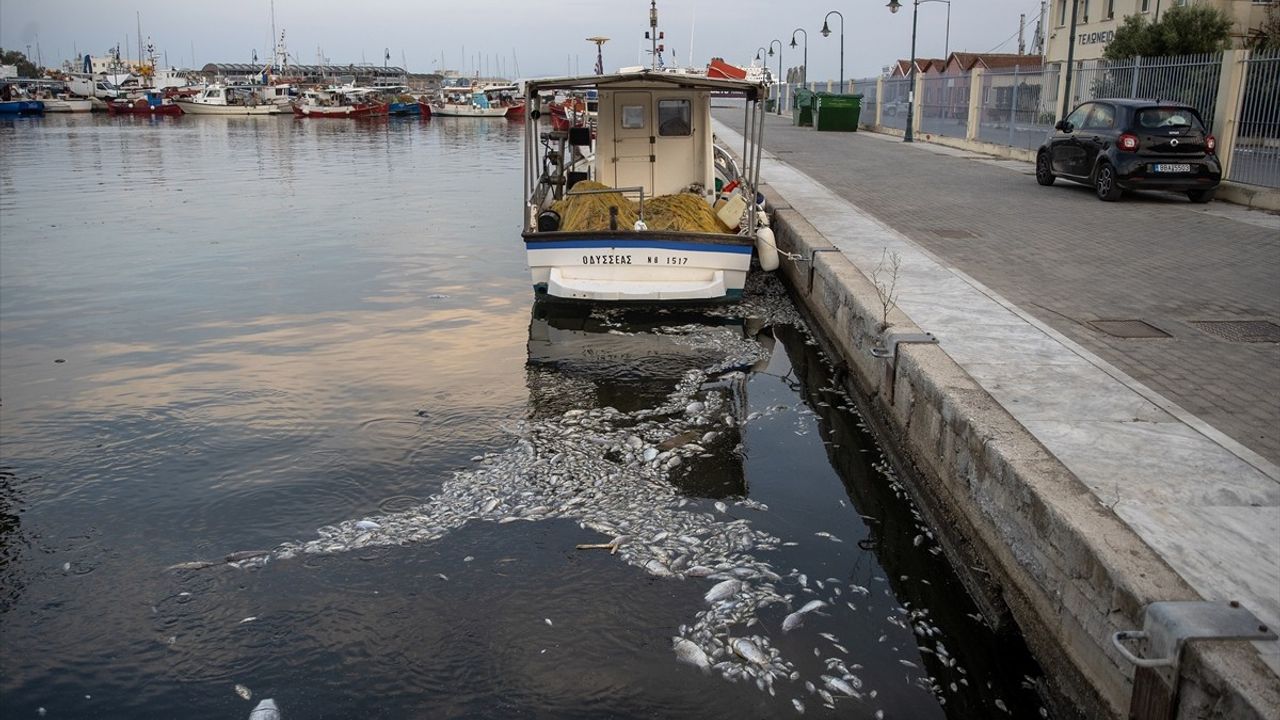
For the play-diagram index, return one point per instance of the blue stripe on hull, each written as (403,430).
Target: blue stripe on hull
(540,292)
(656,244)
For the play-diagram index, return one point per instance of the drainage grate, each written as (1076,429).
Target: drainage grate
(950,234)
(1129,329)
(1249,331)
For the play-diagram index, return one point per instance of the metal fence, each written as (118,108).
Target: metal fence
(944,104)
(867,89)
(1018,108)
(1255,157)
(893,102)
(1190,79)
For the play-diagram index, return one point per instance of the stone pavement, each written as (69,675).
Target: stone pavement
(1006,273)
(1068,259)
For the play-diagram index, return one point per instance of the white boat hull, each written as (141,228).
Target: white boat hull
(638,269)
(467,111)
(59,105)
(196,108)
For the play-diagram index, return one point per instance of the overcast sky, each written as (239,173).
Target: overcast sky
(544,36)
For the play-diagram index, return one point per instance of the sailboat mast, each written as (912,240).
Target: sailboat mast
(275,40)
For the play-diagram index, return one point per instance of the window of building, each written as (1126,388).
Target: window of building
(675,117)
(633,117)
(1084,11)
(1146,5)
(1062,12)
(1111,9)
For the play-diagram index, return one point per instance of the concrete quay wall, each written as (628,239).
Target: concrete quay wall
(1043,550)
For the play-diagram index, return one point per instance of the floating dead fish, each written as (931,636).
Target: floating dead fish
(721,507)
(723,590)
(265,710)
(750,651)
(442,576)
(688,651)
(811,606)
(367,525)
(244,555)
(249,619)
(244,692)
(799,706)
(792,621)
(192,565)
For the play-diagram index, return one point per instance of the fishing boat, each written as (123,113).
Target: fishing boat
(220,99)
(21,107)
(152,102)
(650,209)
(464,102)
(344,102)
(65,103)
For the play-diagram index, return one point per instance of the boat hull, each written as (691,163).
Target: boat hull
(515,111)
(468,111)
(195,108)
(341,111)
(61,106)
(141,107)
(21,107)
(638,266)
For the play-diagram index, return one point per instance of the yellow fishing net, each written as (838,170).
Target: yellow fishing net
(682,212)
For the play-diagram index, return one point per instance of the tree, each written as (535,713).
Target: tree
(1182,30)
(26,68)
(1267,37)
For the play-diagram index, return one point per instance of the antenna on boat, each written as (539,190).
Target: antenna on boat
(653,32)
(275,52)
(599,41)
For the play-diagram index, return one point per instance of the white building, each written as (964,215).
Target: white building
(1098,20)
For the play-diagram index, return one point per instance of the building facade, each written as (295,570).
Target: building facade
(1098,20)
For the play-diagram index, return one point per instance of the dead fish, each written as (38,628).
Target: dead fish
(442,576)
(192,565)
(548,622)
(722,507)
(799,706)
(265,710)
(811,606)
(826,697)
(750,651)
(249,619)
(907,663)
(244,692)
(723,590)
(840,686)
(688,651)
(792,621)
(367,525)
(246,555)
(699,571)
(489,506)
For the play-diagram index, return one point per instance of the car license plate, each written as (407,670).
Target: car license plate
(1172,168)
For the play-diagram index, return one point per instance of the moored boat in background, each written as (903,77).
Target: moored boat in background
(220,99)
(345,102)
(152,102)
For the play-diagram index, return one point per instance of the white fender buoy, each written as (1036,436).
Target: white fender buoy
(766,249)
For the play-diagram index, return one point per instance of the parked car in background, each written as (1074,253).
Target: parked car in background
(1116,145)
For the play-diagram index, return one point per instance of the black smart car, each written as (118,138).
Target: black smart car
(1118,145)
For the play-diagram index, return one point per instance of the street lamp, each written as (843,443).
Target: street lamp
(893,6)
(804,68)
(778,103)
(826,32)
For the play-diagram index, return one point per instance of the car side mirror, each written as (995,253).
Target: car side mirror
(1064,126)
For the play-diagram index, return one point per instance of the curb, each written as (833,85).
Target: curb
(1063,566)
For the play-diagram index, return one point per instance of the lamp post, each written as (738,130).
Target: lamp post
(777,105)
(893,6)
(826,32)
(804,67)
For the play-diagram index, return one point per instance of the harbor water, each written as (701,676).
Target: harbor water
(280,418)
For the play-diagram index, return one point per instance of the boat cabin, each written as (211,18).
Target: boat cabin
(646,207)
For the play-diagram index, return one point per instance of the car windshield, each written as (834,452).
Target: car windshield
(1168,118)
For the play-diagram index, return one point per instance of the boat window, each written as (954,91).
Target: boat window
(632,117)
(675,117)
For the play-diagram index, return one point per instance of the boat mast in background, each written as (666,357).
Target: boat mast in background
(653,32)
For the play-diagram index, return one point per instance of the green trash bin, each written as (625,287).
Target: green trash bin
(833,111)
(802,108)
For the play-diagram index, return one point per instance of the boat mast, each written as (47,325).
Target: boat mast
(653,33)
(275,51)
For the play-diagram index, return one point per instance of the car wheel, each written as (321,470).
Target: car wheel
(1201,196)
(1104,183)
(1044,170)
